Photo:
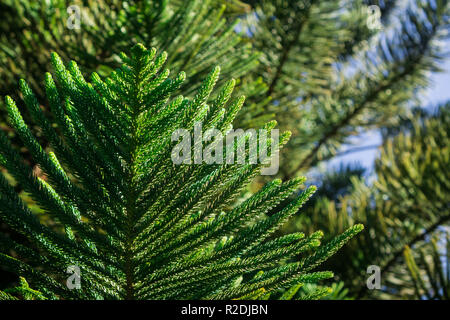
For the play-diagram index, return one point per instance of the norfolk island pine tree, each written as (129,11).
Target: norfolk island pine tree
(412,56)
(138,226)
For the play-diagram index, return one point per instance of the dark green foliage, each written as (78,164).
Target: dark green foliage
(137,225)
(195,36)
(191,34)
(315,66)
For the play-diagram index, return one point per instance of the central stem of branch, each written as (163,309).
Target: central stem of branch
(131,198)
(129,252)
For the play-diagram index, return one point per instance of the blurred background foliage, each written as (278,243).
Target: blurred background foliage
(406,204)
(327,71)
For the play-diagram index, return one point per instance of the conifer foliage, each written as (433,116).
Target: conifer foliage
(135,224)
(429,275)
(406,205)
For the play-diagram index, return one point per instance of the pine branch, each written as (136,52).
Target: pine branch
(137,225)
(287,47)
(397,255)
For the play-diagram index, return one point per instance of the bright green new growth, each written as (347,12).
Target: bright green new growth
(138,226)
